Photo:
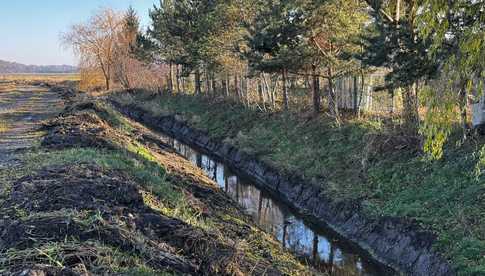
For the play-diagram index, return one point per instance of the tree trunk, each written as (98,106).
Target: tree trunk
(246,90)
(207,83)
(463,106)
(226,86)
(107,81)
(316,90)
(269,92)
(170,78)
(285,90)
(178,78)
(392,93)
(214,85)
(236,86)
(410,106)
(197,82)
(332,97)
(361,94)
(261,94)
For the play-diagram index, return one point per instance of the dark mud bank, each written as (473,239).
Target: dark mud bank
(392,241)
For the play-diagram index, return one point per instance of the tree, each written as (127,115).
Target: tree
(124,61)
(394,44)
(457,32)
(276,41)
(95,41)
(180,31)
(333,30)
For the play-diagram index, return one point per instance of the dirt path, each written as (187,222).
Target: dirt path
(22,109)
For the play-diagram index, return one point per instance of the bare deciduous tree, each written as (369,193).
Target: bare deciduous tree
(95,40)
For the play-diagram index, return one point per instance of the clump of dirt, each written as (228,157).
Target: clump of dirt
(44,270)
(392,142)
(85,203)
(80,130)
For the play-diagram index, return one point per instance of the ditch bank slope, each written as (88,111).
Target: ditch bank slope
(392,241)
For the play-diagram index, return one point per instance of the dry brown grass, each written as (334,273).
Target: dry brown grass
(3,126)
(40,77)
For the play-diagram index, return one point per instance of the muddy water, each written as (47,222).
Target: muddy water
(316,246)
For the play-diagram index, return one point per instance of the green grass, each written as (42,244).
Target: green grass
(113,118)
(446,197)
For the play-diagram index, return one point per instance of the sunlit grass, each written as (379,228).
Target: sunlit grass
(107,258)
(3,126)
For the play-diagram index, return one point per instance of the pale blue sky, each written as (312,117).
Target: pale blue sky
(30,29)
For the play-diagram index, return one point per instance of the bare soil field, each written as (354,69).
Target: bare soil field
(22,108)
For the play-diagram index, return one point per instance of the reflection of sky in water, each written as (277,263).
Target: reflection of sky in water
(272,218)
(208,165)
(323,249)
(220,177)
(299,237)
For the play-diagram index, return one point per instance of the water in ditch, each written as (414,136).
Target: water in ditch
(316,246)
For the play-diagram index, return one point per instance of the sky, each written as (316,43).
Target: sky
(30,29)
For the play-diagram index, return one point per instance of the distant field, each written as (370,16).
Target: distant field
(40,77)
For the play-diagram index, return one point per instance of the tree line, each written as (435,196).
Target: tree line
(266,53)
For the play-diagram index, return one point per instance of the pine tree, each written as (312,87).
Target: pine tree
(394,44)
(276,41)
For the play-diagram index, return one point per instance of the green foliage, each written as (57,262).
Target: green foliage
(392,43)
(276,39)
(456,28)
(438,121)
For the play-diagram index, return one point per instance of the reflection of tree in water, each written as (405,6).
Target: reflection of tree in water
(232,186)
(319,250)
(271,217)
(186,151)
(178,147)
(350,264)
(330,258)
(249,198)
